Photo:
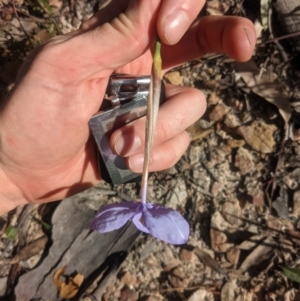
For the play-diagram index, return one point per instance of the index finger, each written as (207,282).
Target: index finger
(233,36)
(175,17)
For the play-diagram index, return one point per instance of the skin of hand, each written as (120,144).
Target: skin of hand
(46,150)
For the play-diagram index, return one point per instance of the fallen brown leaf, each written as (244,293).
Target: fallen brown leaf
(233,256)
(30,250)
(219,241)
(174,78)
(210,262)
(265,85)
(263,252)
(296,205)
(197,133)
(41,37)
(217,113)
(70,287)
(56,277)
(201,294)
(228,291)
(233,143)
(259,136)
(244,160)
(231,211)
(216,7)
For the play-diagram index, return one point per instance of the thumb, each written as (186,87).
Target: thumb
(97,52)
(127,36)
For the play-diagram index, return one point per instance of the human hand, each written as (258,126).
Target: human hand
(46,150)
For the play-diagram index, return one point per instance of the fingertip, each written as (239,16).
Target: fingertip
(175,17)
(239,39)
(163,156)
(194,98)
(174,26)
(251,36)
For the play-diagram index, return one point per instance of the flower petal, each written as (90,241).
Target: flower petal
(166,224)
(114,216)
(137,222)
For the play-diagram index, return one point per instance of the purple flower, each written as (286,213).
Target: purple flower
(163,223)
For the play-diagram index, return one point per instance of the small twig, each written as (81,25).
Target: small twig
(191,288)
(208,170)
(287,36)
(17,16)
(204,192)
(33,18)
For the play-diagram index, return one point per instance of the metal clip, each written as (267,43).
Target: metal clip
(125,101)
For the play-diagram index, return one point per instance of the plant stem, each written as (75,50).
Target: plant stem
(152,112)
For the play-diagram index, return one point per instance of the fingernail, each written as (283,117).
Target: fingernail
(136,163)
(251,37)
(127,144)
(175,25)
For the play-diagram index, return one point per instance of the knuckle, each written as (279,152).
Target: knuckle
(125,26)
(175,150)
(162,131)
(173,155)
(198,100)
(193,107)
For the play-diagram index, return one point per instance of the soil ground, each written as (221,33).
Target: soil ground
(237,184)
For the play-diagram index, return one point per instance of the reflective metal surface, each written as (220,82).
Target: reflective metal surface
(125,101)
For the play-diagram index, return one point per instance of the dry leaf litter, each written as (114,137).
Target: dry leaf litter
(237,184)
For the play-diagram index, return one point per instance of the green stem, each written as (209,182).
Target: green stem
(157,62)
